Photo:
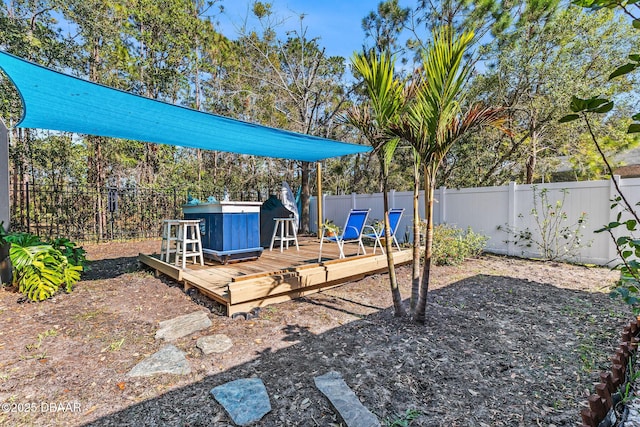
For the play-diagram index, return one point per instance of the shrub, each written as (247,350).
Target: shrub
(75,254)
(553,238)
(452,245)
(41,268)
(6,269)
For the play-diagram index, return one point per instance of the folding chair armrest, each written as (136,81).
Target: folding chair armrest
(375,232)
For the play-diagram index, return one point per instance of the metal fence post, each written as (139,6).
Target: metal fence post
(5,215)
(28,203)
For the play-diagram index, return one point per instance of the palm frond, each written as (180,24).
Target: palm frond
(436,95)
(385,101)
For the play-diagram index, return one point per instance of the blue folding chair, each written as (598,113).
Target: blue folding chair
(351,233)
(394,221)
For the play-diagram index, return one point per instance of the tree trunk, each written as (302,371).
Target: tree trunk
(304,197)
(415,273)
(399,310)
(531,162)
(196,86)
(96,178)
(96,175)
(430,182)
(531,165)
(19,178)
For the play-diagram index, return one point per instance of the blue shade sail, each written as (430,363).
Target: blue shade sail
(56,101)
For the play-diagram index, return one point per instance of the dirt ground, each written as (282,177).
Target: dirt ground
(508,342)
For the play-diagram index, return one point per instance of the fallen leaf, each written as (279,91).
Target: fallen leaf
(121,385)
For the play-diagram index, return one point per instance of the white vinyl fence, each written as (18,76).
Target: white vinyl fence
(485,209)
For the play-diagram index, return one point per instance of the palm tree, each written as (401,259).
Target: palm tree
(433,121)
(373,118)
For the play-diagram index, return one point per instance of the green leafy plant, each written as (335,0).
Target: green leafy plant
(332,229)
(40,268)
(628,389)
(3,234)
(403,420)
(554,238)
(75,254)
(452,245)
(627,246)
(114,346)
(5,267)
(41,337)
(628,249)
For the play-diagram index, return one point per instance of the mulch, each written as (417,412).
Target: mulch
(508,342)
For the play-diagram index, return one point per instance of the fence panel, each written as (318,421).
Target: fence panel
(404,200)
(482,209)
(84,214)
(591,198)
(487,208)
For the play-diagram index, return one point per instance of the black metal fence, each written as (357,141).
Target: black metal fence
(82,214)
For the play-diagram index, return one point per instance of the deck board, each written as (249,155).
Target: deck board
(276,276)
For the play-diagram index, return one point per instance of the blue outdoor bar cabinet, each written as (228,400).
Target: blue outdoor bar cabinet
(230,230)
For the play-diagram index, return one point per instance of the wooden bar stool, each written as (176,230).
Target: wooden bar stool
(189,242)
(169,238)
(284,224)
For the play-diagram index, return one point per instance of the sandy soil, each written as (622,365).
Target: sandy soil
(508,342)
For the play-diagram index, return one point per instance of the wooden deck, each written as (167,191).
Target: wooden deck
(276,276)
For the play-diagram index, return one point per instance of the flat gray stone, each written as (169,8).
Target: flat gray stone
(245,400)
(218,343)
(168,360)
(345,401)
(182,326)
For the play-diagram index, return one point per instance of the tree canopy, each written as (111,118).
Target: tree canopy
(527,57)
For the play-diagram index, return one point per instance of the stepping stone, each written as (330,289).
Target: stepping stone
(214,344)
(245,400)
(345,401)
(183,325)
(168,360)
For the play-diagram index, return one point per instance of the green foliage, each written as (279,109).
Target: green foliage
(451,245)
(534,69)
(76,255)
(3,234)
(628,389)
(627,245)
(554,237)
(41,268)
(373,117)
(403,420)
(331,227)
(628,248)
(586,160)
(595,104)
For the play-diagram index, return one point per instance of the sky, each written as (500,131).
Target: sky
(338,23)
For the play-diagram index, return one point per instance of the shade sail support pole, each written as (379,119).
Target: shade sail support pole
(4,175)
(319,199)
